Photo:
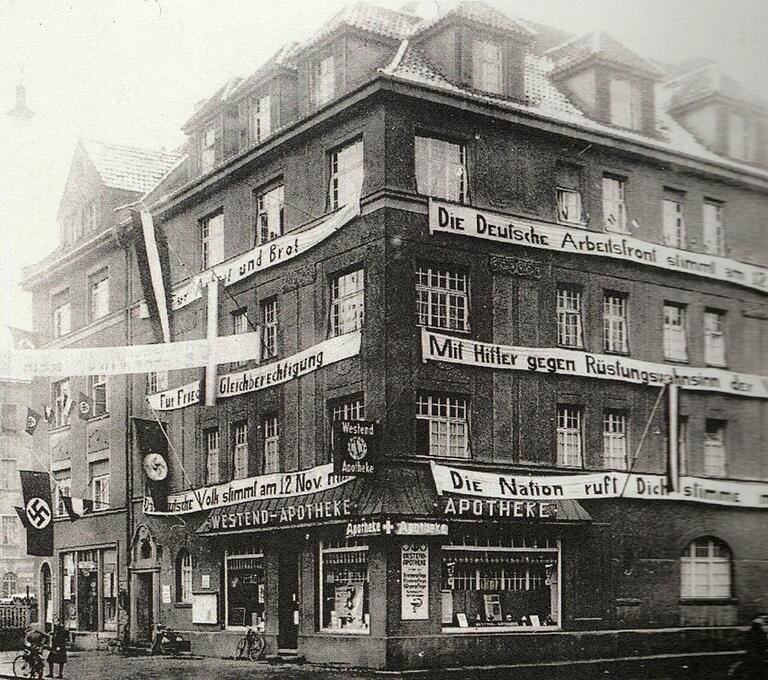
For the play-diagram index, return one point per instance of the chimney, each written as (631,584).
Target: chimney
(21,111)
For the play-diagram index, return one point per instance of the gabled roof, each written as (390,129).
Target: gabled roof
(127,167)
(480,12)
(708,80)
(599,45)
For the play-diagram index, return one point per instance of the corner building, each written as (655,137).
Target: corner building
(420,122)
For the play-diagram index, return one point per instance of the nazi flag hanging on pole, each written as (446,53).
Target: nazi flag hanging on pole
(37,513)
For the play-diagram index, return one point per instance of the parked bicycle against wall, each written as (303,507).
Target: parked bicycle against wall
(250,646)
(29,664)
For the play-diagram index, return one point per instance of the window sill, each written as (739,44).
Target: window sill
(60,428)
(680,362)
(699,601)
(454,630)
(578,225)
(721,366)
(616,352)
(182,605)
(572,348)
(618,232)
(438,329)
(341,631)
(101,416)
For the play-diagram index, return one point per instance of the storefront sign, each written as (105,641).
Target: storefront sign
(262,257)
(293,513)
(354,447)
(179,397)
(498,508)
(414,582)
(455,350)
(518,231)
(299,364)
(119,360)
(481,484)
(386,527)
(276,485)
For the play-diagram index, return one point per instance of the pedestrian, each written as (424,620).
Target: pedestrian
(58,653)
(756,648)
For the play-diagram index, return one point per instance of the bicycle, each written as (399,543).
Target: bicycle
(29,663)
(250,646)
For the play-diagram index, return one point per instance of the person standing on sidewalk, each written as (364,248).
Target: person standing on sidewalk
(58,653)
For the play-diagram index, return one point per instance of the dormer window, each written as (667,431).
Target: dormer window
(261,119)
(740,137)
(626,104)
(208,149)
(325,81)
(487,71)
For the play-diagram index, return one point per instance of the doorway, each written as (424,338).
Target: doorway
(144,617)
(288,600)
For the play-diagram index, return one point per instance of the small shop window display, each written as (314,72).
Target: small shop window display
(344,587)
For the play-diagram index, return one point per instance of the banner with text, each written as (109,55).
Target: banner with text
(178,397)
(597,485)
(299,364)
(31,363)
(439,347)
(262,257)
(501,228)
(261,487)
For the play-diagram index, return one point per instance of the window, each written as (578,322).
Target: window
(208,150)
(626,104)
(713,231)
(9,584)
(325,81)
(441,169)
(346,175)
(269,310)
(673,220)
(63,487)
(741,140)
(211,442)
(240,431)
(705,569)
(500,581)
(184,576)
(100,484)
(569,326)
(568,193)
(570,440)
(8,476)
(62,314)
(270,214)
(211,240)
(97,390)
(487,71)
(271,429)
(98,290)
(246,585)
(347,302)
(714,338)
(261,118)
(88,218)
(714,448)
(614,440)
(675,332)
(240,325)
(157,381)
(109,589)
(615,329)
(442,299)
(9,419)
(62,403)
(348,409)
(8,530)
(447,423)
(344,587)
(614,205)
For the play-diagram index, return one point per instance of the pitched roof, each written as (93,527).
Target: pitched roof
(481,12)
(708,80)
(599,45)
(387,23)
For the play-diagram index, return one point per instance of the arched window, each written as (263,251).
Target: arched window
(705,569)
(184,576)
(9,584)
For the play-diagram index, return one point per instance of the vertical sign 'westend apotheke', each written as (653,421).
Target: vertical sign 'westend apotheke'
(414,582)
(354,444)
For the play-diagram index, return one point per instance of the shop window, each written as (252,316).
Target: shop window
(89,589)
(614,204)
(325,80)
(246,586)
(442,298)
(10,581)
(9,478)
(98,292)
(714,338)
(269,326)
(184,576)
(68,590)
(486,66)
(500,582)
(212,240)
(570,332)
(347,302)
(157,381)
(346,175)
(673,219)
(9,419)
(8,534)
(270,214)
(714,448)
(240,457)
(62,403)
(97,391)
(344,587)
(441,169)
(570,209)
(713,230)
(62,314)
(614,440)
(211,439)
(109,589)
(570,436)
(615,328)
(270,427)
(705,569)
(675,332)
(447,421)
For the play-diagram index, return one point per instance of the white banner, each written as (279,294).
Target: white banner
(179,397)
(262,257)
(597,485)
(501,228)
(261,487)
(32,363)
(414,581)
(455,350)
(304,362)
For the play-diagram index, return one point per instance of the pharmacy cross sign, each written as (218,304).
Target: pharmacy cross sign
(38,513)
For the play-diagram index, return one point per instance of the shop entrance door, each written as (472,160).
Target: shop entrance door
(288,601)
(87,595)
(144,620)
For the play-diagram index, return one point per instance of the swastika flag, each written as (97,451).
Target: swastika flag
(37,513)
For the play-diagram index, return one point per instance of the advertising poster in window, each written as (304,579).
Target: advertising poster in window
(348,606)
(414,582)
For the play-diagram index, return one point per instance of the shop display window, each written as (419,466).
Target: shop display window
(89,589)
(246,589)
(500,582)
(344,587)
(109,589)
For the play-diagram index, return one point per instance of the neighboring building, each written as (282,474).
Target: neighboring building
(473,112)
